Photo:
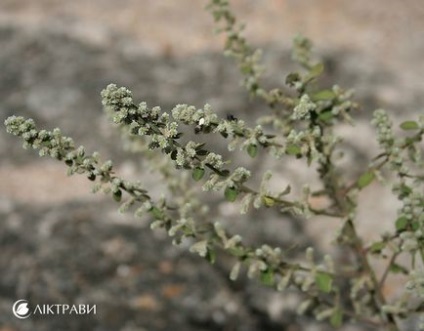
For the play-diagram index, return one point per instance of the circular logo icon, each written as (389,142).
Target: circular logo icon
(20,309)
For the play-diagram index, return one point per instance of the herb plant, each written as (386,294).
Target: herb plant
(300,124)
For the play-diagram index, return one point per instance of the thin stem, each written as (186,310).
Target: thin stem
(379,299)
(387,270)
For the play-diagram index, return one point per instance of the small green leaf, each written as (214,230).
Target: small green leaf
(211,256)
(293,149)
(409,125)
(366,179)
(292,78)
(267,277)
(314,72)
(268,201)
(200,146)
(198,173)
(222,173)
(246,69)
(237,251)
(336,318)
(398,269)
(401,223)
(377,247)
(92,177)
(415,225)
(201,152)
(326,116)
(231,194)
(156,212)
(324,281)
(117,195)
(323,95)
(252,150)
(405,191)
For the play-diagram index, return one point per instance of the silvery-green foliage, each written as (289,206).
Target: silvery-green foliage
(302,119)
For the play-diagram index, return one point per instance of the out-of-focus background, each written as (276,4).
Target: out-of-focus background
(61,244)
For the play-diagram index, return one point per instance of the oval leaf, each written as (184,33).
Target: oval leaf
(323,95)
(252,150)
(198,173)
(211,256)
(398,269)
(409,125)
(324,282)
(117,195)
(336,318)
(231,194)
(415,225)
(314,72)
(293,149)
(292,78)
(326,116)
(156,213)
(366,179)
(268,201)
(267,277)
(401,223)
(377,247)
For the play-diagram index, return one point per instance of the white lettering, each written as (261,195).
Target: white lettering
(90,309)
(57,309)
(65,308)
(73,310)
(81,310)
(37,310)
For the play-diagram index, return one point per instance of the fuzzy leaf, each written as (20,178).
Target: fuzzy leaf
(268,201)
(415,225)
(156,213)
(222,173)
(397,269)
(336,318)
(366,179)
(409,125)
(201,152)
(292,78)
(405,191)
(237,251)
(315,71)
(211,256)
(401,223)
(117,196)
(293,149)
(267,277)
(326,116)
(324,282)
(323,95)
(198,173)
(377,247)
(231,194)
(252,150)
